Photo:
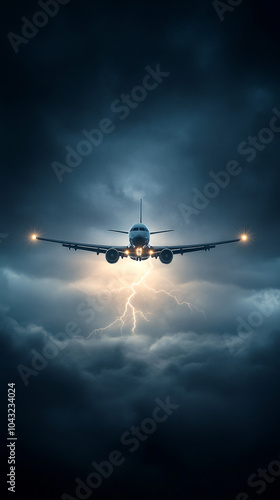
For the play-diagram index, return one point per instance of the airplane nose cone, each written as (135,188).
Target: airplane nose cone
(138,241)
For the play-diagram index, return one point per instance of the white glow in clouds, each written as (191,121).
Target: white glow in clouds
(130,310)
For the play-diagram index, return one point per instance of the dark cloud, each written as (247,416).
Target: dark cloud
(207,326)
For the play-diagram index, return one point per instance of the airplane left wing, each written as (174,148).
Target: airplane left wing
(86,246)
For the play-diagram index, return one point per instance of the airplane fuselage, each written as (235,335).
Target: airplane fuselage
(139,239)
(139,235)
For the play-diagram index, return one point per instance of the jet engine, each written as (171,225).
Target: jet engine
(166,256)
(112,256)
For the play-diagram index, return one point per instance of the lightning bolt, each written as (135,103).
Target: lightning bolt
(130,309)
(192,307)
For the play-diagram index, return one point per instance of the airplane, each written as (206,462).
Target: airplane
(139,247)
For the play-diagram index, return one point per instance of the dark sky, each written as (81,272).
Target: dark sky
(206,332)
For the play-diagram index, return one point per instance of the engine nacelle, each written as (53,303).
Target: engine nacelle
(112,256)
(166,256)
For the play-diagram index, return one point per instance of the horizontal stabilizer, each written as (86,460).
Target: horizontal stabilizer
(115,231)
(167,231)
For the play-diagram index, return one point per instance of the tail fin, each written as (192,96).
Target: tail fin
(140,211)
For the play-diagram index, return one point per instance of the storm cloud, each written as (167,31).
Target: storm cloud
(176,96)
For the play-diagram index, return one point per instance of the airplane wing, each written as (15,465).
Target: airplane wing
(181,249)
(85,246)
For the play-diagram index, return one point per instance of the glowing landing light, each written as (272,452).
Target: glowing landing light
(139,252)
(34,237)
(127,252)
(151,252)
(244,237)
